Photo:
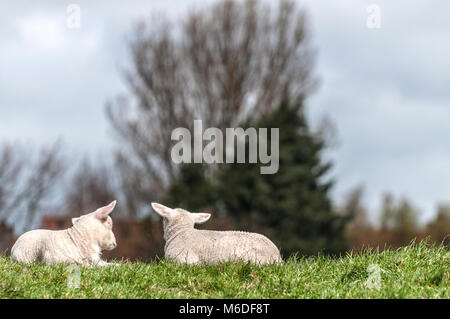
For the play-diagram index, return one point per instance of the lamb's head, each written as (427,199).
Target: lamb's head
(97,227)
(177,218)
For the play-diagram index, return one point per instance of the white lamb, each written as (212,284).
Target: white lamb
(80,244)
(187,245)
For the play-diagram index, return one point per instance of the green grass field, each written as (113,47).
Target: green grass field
(416,271)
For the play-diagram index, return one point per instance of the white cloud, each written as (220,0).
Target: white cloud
(43,34)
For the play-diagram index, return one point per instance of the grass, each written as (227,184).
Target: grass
(416,271)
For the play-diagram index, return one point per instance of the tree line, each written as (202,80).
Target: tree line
(231,64)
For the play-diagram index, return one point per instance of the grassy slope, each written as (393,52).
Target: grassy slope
(418,271)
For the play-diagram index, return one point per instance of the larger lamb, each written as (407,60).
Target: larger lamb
(80,244)
(187,245)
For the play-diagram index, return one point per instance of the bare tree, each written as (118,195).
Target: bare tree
(27,182)
(400,218)
(225,64)
(439,227)
(90,187)
(11,168)
(354,207)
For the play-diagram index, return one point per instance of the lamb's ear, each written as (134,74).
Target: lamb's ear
(103,212)
(162,210)
(200,218)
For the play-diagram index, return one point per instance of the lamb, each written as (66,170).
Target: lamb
(187,245)
(80,244)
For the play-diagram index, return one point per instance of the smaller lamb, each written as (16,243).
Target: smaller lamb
(187,245)
(80,244)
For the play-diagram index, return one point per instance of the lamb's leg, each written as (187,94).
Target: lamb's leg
(95,262)
(103,263)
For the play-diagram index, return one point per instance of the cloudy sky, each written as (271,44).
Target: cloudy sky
(386,89)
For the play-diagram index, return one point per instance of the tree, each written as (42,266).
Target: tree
(292,206)
(193,190)
(27,181)
(387,217)
(90,187)
(11,167)
(398,220)
(226,64)
(439,227)
(400,216)
(354,207)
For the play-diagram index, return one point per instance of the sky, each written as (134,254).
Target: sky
(385,89)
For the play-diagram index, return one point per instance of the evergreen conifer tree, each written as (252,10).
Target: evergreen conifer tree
(293,205)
